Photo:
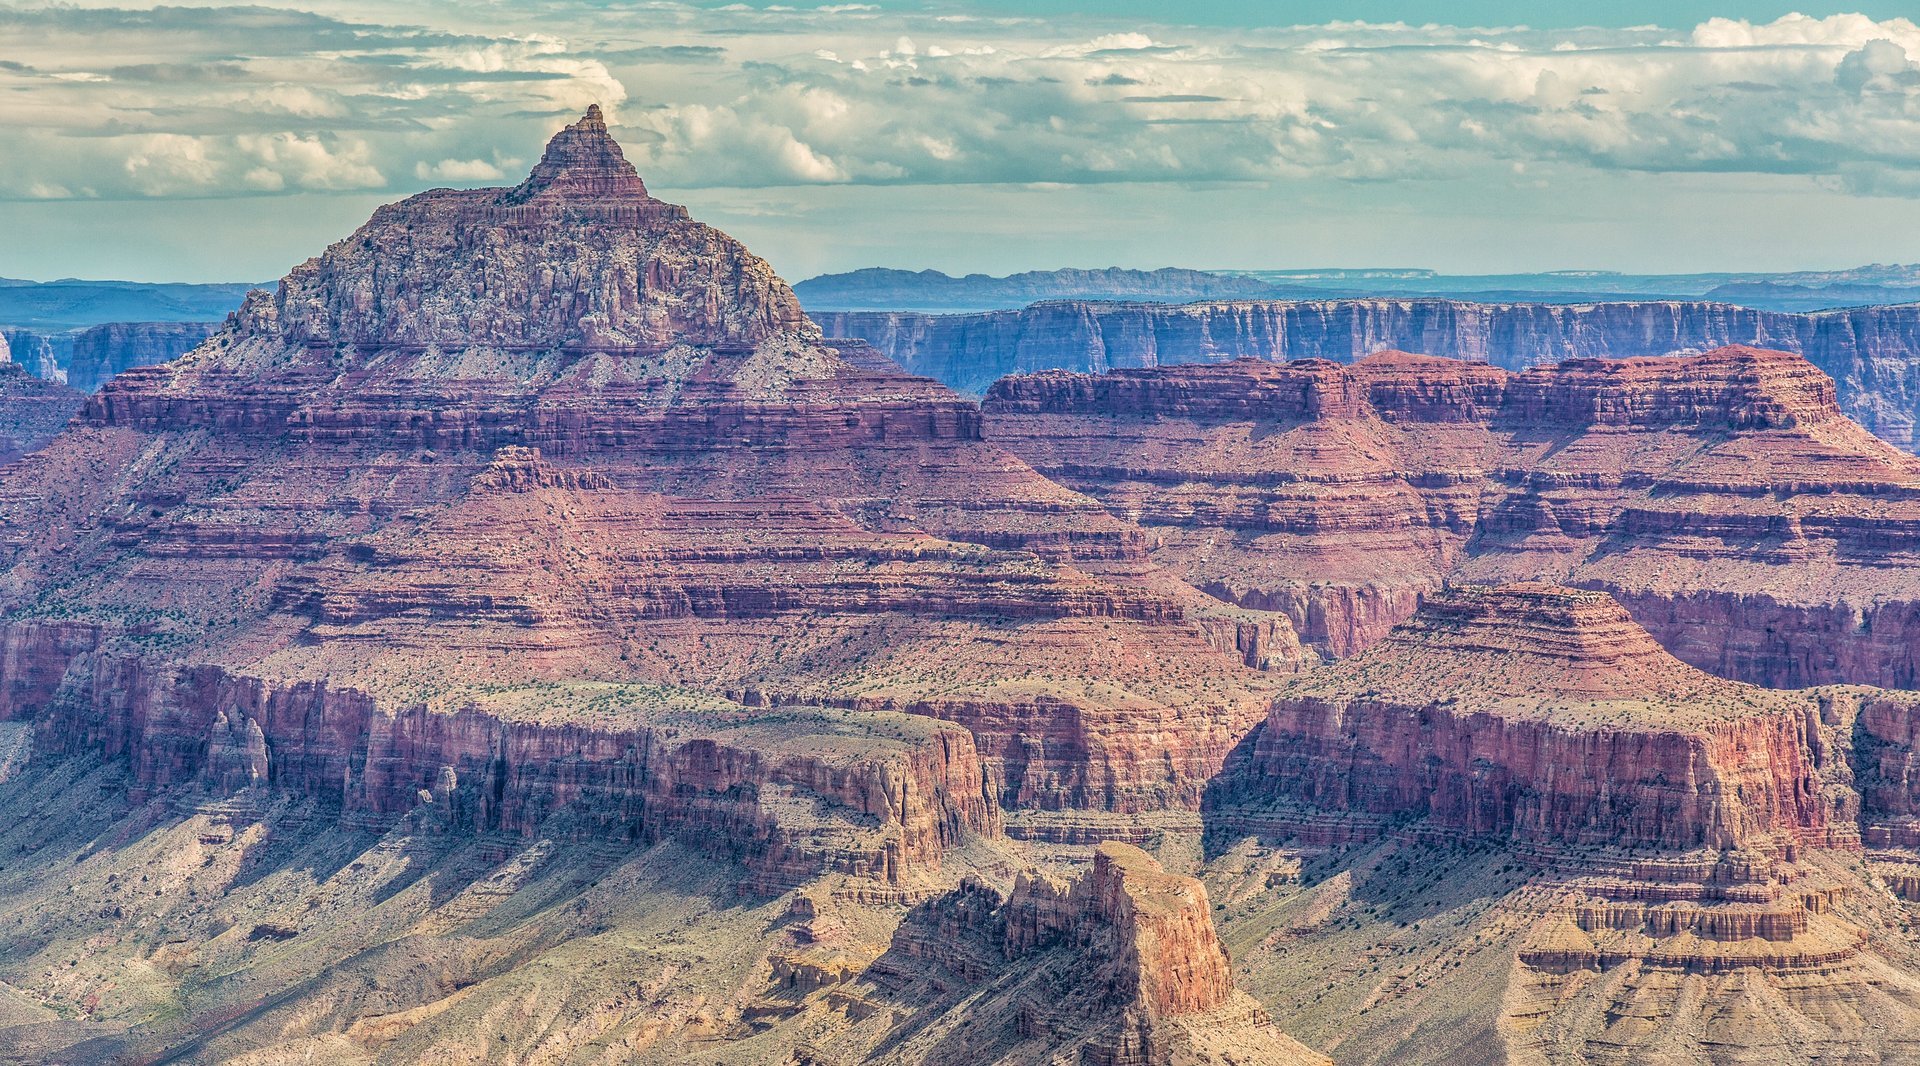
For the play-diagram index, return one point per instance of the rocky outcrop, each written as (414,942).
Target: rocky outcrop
(1545,715)
(1705,493)
(1873,353)
(1121,966)
(40,354)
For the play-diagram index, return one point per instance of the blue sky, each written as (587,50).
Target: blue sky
(231,142)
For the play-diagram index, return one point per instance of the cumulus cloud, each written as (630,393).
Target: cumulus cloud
(243,100)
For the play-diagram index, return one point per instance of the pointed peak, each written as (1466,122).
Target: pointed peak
(582,162)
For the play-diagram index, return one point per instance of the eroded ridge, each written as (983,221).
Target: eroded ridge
(1722,497)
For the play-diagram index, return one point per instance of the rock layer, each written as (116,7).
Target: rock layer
(603,762)
(1545,715)
(1120,966)
(1723,498)
(1872,352)
(562,433)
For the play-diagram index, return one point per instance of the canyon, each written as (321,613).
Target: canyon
(542,517)
(1558,840)
(1723,498)
(524,635)
(86,358)
(1870,352)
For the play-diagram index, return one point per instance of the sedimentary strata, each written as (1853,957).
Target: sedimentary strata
(1723,498)
(1872,352)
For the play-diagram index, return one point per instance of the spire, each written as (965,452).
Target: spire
(582,162)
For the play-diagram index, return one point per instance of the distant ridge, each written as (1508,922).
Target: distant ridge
(880,288)
(71,303)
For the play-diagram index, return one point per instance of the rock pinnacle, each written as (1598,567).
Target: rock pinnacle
(582,162)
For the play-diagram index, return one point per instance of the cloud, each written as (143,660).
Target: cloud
(461,170)
(169,102)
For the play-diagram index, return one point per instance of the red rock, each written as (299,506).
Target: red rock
(1870,351)
(1545,715)
(505,438)
(1723,498)
(1119,966)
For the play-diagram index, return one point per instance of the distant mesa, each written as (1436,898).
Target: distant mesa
(1873,353)
(876,288)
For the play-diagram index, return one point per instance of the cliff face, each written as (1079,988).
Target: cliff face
(40,354)
(86,358)
(788,796)
(1723,498)
(98,353)
(1873,353)
(1546,715)
(32,411)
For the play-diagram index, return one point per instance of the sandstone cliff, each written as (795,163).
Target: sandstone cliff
(1872,352)
(1546,715)
(1121,966)
(1723,498)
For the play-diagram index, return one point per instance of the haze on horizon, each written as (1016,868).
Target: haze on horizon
(229,142)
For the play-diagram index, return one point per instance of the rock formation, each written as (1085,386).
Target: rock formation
(1723,497)
(1873,353)
(1546,715)
(1119,966)
(560,433)
(530,544)
(86,358)
(1653,855)
(38,354)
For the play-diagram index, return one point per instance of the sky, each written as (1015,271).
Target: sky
(1479,136)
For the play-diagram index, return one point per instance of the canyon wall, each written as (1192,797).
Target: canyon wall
(1873,353)
(1546,715)
(87,358)
(100,352)
(789,795)
(44,355)
(1723,497)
